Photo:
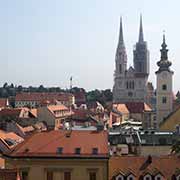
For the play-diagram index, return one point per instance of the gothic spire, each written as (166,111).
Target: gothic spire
(141,36)
(121,39)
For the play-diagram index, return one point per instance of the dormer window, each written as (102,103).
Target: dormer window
(95,151)
(131,177)
(158,177)
(78,150)
(178,177)
(147,177)
(119,177)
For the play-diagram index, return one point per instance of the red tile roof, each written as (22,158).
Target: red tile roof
(10,112)
(121,108)
(35,96)
(45,144)
(10,136)
(137,107)
(53,108)
(138,165)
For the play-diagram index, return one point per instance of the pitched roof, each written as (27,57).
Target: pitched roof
(37,96)
(121,108)
(45,144)
(137,107)
(53,108)
(139,165)
(10,112)
(33,112)
(10,139)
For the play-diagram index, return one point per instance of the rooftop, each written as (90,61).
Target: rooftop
(45,144)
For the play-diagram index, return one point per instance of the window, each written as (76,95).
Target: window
(24,175)
(164,100)
(147,177)
(95,151)
(49,175)
(67,175)
(92,176)
(164,87)
(130,177)
(140,66)
(120,68)
(59,150)
(77,150)
(130,94)
(178,177)
(127,85)
(158,177)
(162,141)
(119,177)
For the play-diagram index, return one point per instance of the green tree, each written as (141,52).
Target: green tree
(176,147)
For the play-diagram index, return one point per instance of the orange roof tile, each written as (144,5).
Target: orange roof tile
(34,112)
(45,144)
(137,107)
(36,96)
(53,108)
(122,108)
(10,136)
(138,165)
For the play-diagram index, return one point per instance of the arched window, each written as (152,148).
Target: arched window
(164,87)
(127,85)
(147,177)
(120,68)
(158,177)
(131,177)
(164,100)
(133,85)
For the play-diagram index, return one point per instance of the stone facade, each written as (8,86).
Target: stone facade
(130,85)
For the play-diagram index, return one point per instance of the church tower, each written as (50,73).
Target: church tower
(164,85)
(120,65)
(141,54)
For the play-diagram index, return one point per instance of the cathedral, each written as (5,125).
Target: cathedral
(131,84)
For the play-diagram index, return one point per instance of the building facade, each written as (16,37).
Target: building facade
(164,94)
(62,154)
(130,84)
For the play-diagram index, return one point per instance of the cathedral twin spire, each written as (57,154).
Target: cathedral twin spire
(141,36)
(121,38)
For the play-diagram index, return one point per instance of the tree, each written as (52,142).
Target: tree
(176,147)
(5,85)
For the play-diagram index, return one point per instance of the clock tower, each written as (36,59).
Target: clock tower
(164,93)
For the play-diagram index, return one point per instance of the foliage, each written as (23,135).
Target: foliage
(176,147)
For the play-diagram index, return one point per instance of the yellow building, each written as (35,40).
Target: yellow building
(62,155)
(172,122)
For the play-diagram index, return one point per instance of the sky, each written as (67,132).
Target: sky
(48,41)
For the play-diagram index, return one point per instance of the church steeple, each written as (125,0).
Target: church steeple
(164,64)
(141,36)
(121,39)
(121,56)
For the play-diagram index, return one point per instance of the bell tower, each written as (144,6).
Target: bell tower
(120,65)
(164,93)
